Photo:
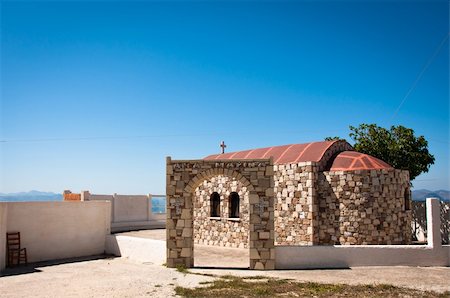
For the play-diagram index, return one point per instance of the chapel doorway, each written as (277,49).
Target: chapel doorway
(221,224)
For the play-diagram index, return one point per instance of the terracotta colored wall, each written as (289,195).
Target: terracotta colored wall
(72,197)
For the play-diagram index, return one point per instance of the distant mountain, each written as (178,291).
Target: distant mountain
(422,194)
(30,196)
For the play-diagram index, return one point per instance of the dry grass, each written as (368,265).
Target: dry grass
(231,286)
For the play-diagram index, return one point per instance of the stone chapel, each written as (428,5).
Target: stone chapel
(320,193)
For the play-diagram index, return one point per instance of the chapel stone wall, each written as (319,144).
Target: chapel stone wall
(222,230)
(295,205)
(364,207)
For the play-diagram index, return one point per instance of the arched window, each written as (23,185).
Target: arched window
(234,205)
(215,204)
(407,197)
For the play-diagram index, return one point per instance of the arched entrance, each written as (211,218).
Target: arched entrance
(184,176)
(221,223)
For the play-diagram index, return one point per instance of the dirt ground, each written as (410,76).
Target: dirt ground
(116,277)
(121,277)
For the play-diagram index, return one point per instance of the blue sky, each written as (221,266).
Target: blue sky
(95,95)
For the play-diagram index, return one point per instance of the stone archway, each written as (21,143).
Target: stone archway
(183,176)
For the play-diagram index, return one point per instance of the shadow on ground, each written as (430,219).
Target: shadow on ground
(34,267)
(222,268)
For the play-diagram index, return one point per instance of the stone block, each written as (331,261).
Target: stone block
(254,254)
(269,192)
(259,266)
(170,224)
(253,199)
(186,214)
(180,223)
(186,252)
(171,244)
(173,254)
(270,265)
(272,253)
(187,232)
(265,255)
(170,263)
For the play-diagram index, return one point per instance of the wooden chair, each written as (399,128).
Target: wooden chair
(16,254)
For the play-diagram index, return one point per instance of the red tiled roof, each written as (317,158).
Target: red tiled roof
(352,160)
(281,154)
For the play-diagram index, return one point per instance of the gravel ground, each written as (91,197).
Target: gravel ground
(121,277)
(115,277)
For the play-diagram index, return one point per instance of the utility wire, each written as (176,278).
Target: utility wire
(212,134)
(436,52)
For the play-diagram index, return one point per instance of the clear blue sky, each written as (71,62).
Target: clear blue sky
(82,81)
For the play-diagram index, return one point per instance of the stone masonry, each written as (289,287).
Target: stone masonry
(294,208)
(364,207)
(184,177)
(223,230)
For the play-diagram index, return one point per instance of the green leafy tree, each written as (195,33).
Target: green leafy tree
(397,146)
(332,138)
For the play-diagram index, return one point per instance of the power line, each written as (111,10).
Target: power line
(436,52)
(212,134)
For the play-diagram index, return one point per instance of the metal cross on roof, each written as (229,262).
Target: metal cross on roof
(223,146)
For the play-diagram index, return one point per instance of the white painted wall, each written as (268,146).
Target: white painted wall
(297,257)
(129,212)
(137,249)
(3,218)
(57,230)
(131,208)
(342,256)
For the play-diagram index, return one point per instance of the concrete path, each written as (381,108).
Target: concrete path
(204,255)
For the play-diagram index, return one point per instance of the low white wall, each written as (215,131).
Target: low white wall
(131,208)
(342,256)
(57,230)
(129,212)
(297,257)
(137,249)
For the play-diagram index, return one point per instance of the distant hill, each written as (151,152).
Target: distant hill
(422,194)
(30,196)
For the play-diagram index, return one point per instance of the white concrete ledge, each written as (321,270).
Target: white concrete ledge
(137,249)
(303,257)
(137,225)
